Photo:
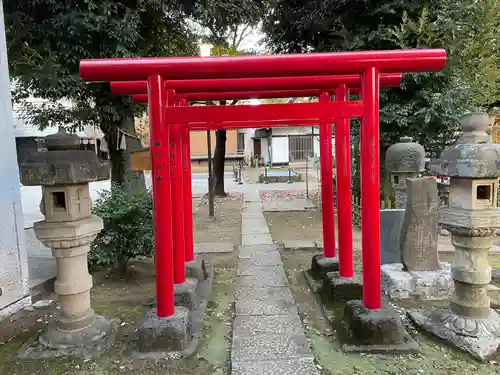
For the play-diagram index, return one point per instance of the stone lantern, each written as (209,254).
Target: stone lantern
(403,160)
(472,216)
(64,172)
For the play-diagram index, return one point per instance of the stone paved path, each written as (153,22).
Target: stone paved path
(268,337)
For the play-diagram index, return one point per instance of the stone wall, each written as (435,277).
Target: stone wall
(14,292)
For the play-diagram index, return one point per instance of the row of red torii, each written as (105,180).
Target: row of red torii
(169,84)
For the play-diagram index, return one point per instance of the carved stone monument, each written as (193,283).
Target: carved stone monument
(403,160)
(418,238)
(420,274)
(64,172)
(472,217)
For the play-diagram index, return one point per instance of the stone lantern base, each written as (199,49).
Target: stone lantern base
(479,337)
(89,342)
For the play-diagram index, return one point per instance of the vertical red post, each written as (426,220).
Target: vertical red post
(370,190)
(327,200)
(343,178)
(188,192)
(161,198)
(177,192)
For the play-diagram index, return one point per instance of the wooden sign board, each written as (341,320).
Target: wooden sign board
(141,160)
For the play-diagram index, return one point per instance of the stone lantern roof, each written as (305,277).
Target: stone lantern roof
(64,163)
(473,155)
(405,157)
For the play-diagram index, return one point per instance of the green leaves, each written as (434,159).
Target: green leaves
(128,228)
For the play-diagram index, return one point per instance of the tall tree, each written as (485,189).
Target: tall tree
(227,23)
(47,39)
(427,105)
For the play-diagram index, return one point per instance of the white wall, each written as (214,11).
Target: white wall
(294,130)
(13,257)
(280,150)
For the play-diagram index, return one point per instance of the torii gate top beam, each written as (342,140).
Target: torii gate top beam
(248,66)
(254,84)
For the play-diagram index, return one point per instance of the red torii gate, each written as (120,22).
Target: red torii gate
(342,143)
(162,111)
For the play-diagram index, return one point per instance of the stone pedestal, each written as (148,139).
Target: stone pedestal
(426,285)
(472,217)
(339,288)
(320,266)
(376,331)
(64,172)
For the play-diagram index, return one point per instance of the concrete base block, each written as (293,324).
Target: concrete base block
(376,331)
(478,337)
(320,266)
(186,294)
(196,269)
(171,334)
(89,342)
(427,285)
(339,288)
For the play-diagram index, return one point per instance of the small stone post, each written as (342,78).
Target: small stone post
(64,172)
(404,160)
(472,216)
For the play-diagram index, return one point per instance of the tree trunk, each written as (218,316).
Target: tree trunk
(134,181)
(219,162)
(121,168)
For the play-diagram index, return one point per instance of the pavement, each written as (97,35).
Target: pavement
(268,336)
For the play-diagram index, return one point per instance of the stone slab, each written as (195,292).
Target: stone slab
(269,346)
(264,301)
(263,293)
(295,366)
(213,247)
(249,269)
(299,245)
(391,221)
(256,239)
(252,207)
(262,279)
(252,215)
(399,284)
(254,226)
(256,324)
(271,258)
(262,258)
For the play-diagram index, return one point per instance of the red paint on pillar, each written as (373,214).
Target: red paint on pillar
(188,192)
(177,192)
(161,198)
(370,191)
(343,179)
(327,200)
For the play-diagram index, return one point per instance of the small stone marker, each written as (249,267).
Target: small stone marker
(418,241)
(391,222)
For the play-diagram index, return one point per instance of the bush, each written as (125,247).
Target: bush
(128,229)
